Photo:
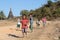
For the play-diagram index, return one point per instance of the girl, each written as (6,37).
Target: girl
(44,21)
(24,22)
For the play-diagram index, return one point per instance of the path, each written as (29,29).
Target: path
(37,34)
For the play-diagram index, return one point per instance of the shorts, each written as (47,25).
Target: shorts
(38,24)
(18,25)
(24,30)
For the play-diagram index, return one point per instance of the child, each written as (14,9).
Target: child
(44,21)
(18,24)
(31,23)
(24,22)
(38,23)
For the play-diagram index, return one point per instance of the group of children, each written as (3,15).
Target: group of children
(43,21)
(25,22)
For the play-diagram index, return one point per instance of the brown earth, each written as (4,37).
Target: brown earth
(50,32)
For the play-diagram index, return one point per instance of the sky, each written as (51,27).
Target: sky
(18,5)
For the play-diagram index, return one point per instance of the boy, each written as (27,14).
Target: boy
(31,23)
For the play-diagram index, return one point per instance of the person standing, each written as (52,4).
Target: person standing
(31,23)
(24,22)
(38,22)
(44,21)
(18,24)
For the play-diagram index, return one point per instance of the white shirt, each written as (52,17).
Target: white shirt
(18,21)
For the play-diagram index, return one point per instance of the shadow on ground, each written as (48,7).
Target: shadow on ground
(12,35)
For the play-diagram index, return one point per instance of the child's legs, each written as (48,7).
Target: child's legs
(31,27)
(44,23)
(23,32)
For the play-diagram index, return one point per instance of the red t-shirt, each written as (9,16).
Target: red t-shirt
(44,19)
(24,23)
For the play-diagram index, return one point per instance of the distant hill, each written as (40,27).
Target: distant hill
(50,10)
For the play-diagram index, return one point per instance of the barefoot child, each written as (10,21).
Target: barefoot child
(24,22)
(44,21)
(38,23)
(31,23)
(18,24)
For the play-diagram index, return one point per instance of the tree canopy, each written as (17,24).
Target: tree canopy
(2,15)
(51,10)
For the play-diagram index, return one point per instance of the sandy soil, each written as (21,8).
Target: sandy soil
(43,33)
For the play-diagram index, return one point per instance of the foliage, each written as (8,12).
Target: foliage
(51,10)
(2,16)
(26,12)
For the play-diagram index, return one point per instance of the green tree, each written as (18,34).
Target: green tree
(51,10)
(2,16)
(50,2)
(26,12)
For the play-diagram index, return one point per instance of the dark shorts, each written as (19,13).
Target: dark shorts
(24,30)
(38,24)
(18,25)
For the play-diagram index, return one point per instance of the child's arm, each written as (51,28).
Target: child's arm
(21,21)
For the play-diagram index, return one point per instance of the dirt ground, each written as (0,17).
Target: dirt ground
(50,32)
